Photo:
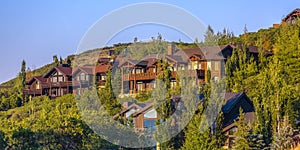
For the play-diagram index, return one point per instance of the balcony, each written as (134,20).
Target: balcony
(57,84)
(152,75)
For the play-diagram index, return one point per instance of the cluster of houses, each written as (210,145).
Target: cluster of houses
(140,75)
(137,75)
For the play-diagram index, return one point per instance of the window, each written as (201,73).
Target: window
(54,79)
(182,66)
(151,114)
(173,84)
(208,65)
(38,85)
(149,123)
(87,77)
(217,65)
(82,76)
(150,119)
(60,79)
(195,65)
(103,77)
(140,86)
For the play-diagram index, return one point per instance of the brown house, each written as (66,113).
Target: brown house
(57,82)
(290,18)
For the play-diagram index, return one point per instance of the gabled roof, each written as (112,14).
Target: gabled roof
(295,12)
(137,106)
(144,109)
(37,78)
(232,105)
(231,99)
(212,53)
(64,70)
(86,69)
(101,68)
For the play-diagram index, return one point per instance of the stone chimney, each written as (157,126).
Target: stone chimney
(171,49)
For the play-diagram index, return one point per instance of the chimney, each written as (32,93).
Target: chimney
(171,49)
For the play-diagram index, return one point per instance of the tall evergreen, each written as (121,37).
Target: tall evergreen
(241,141)
(55,60)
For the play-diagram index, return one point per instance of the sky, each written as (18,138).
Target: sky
(35,30)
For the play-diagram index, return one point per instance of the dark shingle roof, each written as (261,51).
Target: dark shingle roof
(230,100)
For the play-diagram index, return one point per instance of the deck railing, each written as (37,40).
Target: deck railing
(153,75)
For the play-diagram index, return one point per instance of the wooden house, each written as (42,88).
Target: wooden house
(292,16)
(57,82)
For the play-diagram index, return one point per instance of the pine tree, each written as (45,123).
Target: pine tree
(241,140)
(209,38)
(107,97)
(55,60)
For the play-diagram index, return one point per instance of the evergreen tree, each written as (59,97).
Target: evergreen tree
(209,38)
(55,60)
(241,140)
(60,60)
(107,97)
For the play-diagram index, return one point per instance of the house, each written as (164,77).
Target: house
(290,18)
(36,86)
(144,116)
(83,78)
(140,75)
(57,82)
(234,102)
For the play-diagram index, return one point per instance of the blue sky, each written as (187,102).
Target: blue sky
(37,30)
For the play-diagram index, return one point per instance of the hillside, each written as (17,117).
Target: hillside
(48,124)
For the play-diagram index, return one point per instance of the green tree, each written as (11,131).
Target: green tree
(55,60)
(107,97)
(241,140)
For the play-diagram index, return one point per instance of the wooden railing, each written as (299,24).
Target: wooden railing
(57,84)
(153,75)
(32,91)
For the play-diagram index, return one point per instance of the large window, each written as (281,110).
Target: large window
(150,119)
(151,114)
(149,124)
